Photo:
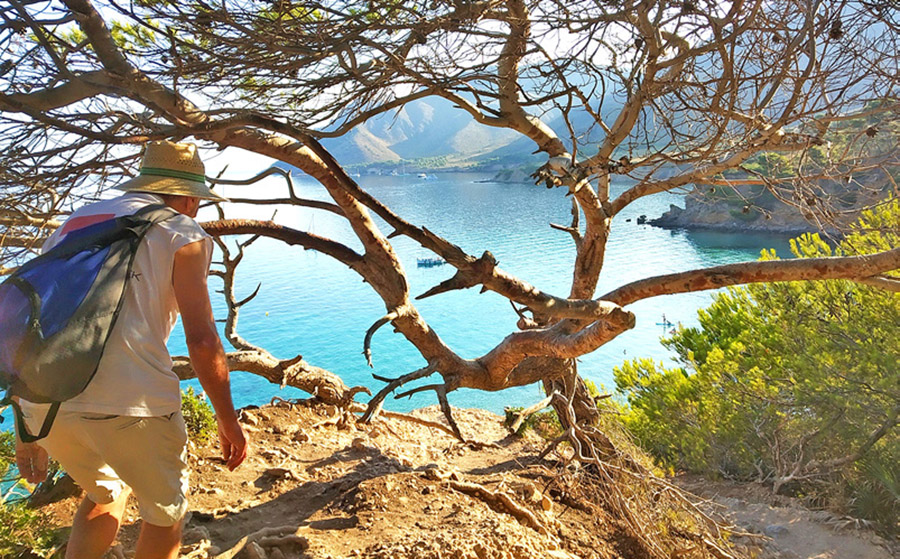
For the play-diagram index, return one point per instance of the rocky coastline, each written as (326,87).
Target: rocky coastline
(702,214)
(741,205)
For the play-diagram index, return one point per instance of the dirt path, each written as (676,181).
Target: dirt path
(315,489)
(793,531)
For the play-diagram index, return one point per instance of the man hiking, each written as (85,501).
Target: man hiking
(124,433)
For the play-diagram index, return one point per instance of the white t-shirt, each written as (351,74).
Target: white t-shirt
(135,374)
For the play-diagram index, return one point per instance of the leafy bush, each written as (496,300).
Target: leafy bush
(198,415)
(25,532)
(794,383)
(7,453)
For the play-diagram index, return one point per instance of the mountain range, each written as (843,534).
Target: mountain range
(435,133)
(424,129)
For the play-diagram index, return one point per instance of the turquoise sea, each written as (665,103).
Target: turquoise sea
(311,305)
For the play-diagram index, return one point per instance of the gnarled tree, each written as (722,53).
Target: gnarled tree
(667,93)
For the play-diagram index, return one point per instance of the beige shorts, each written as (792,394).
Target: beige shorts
(104,454)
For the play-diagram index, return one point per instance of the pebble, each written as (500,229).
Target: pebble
(775,530)
(546,503)
(278,472)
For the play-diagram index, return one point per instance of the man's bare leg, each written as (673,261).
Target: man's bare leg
(158,542)
(95,527)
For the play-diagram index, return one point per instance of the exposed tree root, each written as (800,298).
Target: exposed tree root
(202,550)
(501,502)
(441,389)
(635,495)
(267,537)
(359,408)
(333,420)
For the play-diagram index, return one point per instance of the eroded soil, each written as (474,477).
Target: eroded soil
(316,487)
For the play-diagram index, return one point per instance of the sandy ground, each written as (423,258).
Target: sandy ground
(793,531)
(314,488)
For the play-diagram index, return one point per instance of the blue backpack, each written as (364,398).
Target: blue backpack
(58,309)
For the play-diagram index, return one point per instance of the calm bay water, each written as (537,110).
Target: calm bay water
(312,305)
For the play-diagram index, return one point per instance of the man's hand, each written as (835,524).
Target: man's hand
(233,441)
(32,461)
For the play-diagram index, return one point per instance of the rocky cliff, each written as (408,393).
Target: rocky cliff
(742,205)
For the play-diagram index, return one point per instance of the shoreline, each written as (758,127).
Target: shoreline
(786,230)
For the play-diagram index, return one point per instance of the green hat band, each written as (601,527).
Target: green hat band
(156,171)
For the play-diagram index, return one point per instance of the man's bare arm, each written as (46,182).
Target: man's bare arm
(205,347)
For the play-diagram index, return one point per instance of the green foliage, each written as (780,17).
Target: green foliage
(780,379)
(7,452)
(156,3)
(285,11)
(436,162)
(25,532)
(198,415)
(770,164)
(743,200)
(73,36)
(130,36)
(872,489)
(11,487)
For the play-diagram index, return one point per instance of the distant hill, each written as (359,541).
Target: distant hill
(426,128)
(433,132)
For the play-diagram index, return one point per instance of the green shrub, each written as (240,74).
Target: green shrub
(792,383)
(25,532)
(7,453)
(198,415)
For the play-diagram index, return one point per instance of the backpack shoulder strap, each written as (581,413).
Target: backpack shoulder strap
(155,213)
(22,429)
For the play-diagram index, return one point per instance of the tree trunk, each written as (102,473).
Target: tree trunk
(566,380)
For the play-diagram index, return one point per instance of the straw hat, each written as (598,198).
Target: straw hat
(170,168)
